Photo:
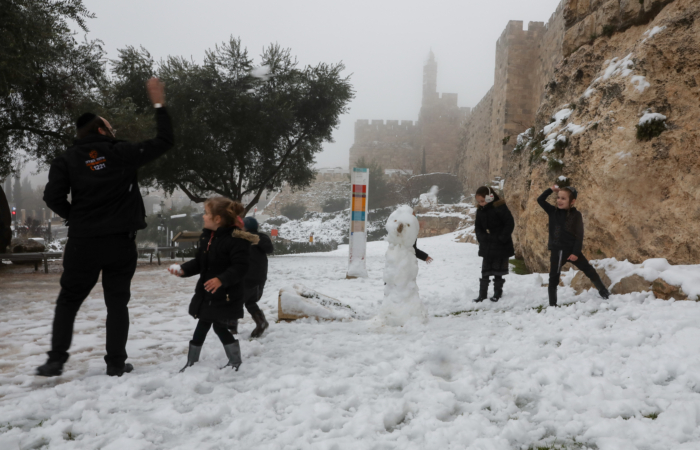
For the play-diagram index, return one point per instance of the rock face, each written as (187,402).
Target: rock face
(639,198)
(667,291)
(581,283)
(632,283)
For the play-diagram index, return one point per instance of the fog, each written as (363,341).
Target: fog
(383,43)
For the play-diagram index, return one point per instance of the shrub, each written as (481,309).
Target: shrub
(560,145)
(294,211)
(335,204)
(290,248)
(555,164)
(277,221)
(594,126)
(609,30)
(650,129)
(506,140)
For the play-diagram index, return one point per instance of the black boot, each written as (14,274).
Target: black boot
(53,367)
(114,371)
(498,283)
(260,324)
(483,289)
(192,356)
(233,351)
(552,294)
(50,369)
(598,283)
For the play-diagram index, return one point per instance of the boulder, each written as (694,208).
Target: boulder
(667,291)
(581,282)
(20,245)
(632,283)
(299,302)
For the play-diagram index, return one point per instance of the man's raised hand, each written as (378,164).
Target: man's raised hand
(156,91)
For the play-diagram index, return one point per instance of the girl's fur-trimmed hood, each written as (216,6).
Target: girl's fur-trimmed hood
(240,234)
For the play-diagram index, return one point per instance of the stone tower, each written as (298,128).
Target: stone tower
(430,79)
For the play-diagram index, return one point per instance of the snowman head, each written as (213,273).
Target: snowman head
(402,227)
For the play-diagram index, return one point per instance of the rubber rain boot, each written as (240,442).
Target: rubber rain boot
(233,352)
(192,356)
(260,324)
(498,283)
(483,289)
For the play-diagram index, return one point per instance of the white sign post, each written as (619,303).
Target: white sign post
(358,223)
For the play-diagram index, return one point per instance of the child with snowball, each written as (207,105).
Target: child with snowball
(222,263)
(566,239)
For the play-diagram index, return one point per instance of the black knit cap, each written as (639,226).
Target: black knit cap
(84,120)
(574,192)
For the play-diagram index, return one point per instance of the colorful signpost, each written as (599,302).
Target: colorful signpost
(358,223)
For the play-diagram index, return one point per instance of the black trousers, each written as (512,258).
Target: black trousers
(253,295)
(557,259)
(203,327)
(83,260)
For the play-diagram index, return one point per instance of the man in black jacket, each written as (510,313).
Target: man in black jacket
(257,276)
(105,211)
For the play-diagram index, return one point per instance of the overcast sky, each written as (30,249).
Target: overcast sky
(383,43)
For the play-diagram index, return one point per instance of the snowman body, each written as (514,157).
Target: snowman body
(401,299)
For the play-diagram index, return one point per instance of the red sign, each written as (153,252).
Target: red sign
(275,232)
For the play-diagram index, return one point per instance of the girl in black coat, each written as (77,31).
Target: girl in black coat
(566,240)
(222,263)
(493,227)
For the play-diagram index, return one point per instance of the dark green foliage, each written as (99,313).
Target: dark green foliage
(377,193)
(520,267)
(562,183)
(335,204)
(652,416)
(506,140)
(594,126)
(290,248)
(238,134)
(650,129)
(47,78)
(294,211)
(560,145)
(554,164)
(609,30)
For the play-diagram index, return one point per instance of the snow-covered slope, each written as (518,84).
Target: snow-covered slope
(618,374)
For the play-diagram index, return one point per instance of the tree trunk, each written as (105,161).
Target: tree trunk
(5,221)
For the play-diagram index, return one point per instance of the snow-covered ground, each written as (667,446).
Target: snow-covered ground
(613,375)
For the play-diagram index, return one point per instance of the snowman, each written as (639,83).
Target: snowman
(401,299)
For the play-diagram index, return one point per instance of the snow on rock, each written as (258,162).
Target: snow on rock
(429,199)
(652,32)
(401,300)
(650,117)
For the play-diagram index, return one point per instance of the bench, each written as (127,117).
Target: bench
(157,250)
(35,257)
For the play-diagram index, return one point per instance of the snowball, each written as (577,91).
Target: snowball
(175,267)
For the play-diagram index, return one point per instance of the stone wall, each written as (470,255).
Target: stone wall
(639,198)
(432,143)
(394,144)
(525,61)
(325,186)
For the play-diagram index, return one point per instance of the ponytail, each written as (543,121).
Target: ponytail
(226,208)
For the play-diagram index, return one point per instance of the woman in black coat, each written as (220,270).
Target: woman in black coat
(221,262)
(493,227)
(257,275)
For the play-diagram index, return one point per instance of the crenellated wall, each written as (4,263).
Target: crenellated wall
(525,62)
